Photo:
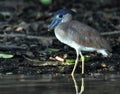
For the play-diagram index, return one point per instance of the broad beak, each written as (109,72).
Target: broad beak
(53,23)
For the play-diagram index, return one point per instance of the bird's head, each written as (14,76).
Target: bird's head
(62,15)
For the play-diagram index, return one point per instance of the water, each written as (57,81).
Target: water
(59,84)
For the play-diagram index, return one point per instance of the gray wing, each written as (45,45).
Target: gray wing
(87,36)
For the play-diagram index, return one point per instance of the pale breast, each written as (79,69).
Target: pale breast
(60,34)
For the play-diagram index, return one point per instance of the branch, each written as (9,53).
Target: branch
(111,33)
(12,47)
(26,36)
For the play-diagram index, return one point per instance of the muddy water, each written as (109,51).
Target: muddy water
(59,84)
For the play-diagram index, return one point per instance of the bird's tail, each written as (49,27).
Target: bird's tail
(104,52)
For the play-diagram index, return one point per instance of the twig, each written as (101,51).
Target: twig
(26,36)
(11,47)
(111,33)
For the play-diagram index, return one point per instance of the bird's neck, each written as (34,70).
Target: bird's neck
(67,18)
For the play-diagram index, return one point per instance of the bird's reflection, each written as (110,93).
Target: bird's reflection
(77,86)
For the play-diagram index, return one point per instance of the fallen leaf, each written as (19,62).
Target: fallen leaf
(6,55)
(59,58)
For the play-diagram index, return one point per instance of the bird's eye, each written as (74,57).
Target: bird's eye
(60,16)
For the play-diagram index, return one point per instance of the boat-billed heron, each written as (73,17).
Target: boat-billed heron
(77,35)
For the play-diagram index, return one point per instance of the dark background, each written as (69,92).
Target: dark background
(24,34)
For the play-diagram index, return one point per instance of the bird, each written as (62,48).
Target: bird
(77,35)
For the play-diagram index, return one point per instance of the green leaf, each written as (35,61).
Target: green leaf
(70,60)
(49,50)
(53,50)
(45,1)
(73,60)
(6,56)
(9,73)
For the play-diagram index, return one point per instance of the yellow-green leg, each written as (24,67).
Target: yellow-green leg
(82,59)
(76,62)
(76,85)
(82,85)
